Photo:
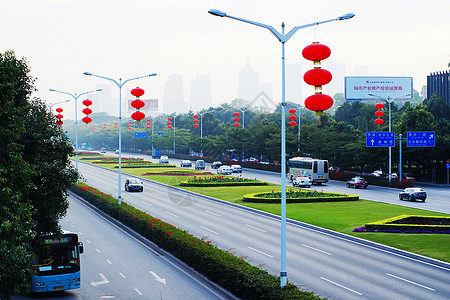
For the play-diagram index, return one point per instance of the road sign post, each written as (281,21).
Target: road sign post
(380,139)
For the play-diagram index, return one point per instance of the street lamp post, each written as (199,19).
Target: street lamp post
(75,98)
(389,100)
(283,38)
(120,84)
(201,131)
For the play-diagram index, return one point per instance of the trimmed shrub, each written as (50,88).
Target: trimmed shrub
(223,267)
(410,224)
(221,181)
(298,196)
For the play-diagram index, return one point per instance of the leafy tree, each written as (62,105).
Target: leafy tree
(438,107)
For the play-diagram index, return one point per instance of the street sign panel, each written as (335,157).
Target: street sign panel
(380,139)
(420,138)
(140,135)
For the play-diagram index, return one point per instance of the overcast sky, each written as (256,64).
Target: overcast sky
(61,39)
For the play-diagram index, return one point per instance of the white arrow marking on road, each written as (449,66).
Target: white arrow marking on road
(157,278)
(97,283)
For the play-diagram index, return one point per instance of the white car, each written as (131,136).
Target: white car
(164,159)
(224,170)
(236,168)
(301,181)
(186,163)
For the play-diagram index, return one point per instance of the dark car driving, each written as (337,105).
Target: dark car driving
(412,194)
(133,185)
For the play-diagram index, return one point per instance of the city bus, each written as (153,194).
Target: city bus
(315,169)
(56,265)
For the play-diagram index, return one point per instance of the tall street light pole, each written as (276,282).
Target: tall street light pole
(201,130)
(120,84)
(389,100)
(75,98)
(283,38)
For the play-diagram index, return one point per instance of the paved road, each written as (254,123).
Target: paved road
(115,265)
(334,265)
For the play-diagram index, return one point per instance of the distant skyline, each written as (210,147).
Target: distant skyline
(61,39)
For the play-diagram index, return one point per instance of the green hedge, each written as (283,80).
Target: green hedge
(149,165)
(224,268)
(408,223)
(306,197)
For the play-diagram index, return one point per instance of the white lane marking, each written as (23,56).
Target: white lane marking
(97,250)
(259,251)
(339,285)
(208,229)
(109,262)
(412,282)
(121,275)
(138,292)
(174,215)
(256,228)
(315,249)
(145,202)
(157,278)
(107,297)
(103,281)
(211,213)
(88,241)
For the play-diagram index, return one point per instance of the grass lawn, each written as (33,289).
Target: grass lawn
(338,216)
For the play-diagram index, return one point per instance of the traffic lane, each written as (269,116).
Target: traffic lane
(131,268)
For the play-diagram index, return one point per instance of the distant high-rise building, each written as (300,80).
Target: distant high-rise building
(248,84)
(173,98)
(103,101)
(439,83)
(294,81)
(337,83)
(200,94)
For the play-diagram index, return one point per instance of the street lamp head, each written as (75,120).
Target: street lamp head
(52,90)
(346,16)
(153,74)
(87,73)
(216,12)
(99,90)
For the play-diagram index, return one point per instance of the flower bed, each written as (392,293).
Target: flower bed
(409,224)
(298,196)
(115,160)
(145,164)
(224,268)
(178,173)
(221,181)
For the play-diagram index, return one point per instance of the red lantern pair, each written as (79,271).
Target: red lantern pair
(379,113)
(292,117)
(169,122)
(59,122)
(87,111)
(195,121)
(317,77)
(138,104)
(236,119)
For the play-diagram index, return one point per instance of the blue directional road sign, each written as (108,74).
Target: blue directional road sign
(380,139)
(140,135)
(420,138)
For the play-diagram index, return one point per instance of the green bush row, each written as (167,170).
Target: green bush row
(306,198)
(401,223)
(224,268)
(149,165)
(224,183)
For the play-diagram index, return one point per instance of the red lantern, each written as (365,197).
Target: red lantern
(170,126)
(236,114)
(317,77)
(379,113)
(86,120)
(316,52)
(236,119)
(169,123)
(379,106)
(137,92)
(196,116)
(379,121)
(236,125)
(138,115)
(59,116)
(195,125)
(292,123)
(148,127)
(318,103)
(138,104)
(195,121)
(292,117)
(292,111)
(59,110)
(148,120)
(87,111)
(87,102)
(169,119)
